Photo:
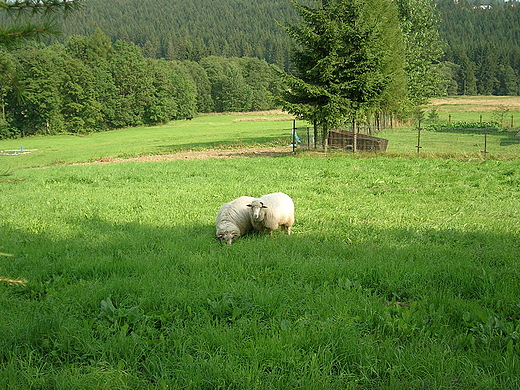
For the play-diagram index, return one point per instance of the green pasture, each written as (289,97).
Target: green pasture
(207,131)
(239,130)
(401,272)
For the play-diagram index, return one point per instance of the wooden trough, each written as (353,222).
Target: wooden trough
(343,139)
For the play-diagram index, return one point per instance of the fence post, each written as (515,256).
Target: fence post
(354,135)
(485,144)
(512,121)
(419,138)
(294,136)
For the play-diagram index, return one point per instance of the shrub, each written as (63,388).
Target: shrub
(466,127)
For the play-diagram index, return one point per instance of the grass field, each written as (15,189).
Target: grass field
(267,128)
(207,131)
(402,272)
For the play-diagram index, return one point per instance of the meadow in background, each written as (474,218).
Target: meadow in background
(400,272)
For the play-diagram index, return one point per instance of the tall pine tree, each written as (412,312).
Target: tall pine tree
(349,59)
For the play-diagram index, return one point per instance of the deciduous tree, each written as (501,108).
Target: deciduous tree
(423,49)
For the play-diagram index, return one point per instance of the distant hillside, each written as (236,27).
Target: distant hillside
(482,45)
(192,29)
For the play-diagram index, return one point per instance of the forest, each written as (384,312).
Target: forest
(132,62)
(481,47)
(481,44)
(89,84)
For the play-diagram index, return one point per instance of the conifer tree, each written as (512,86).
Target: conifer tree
(31,19)
(349,58)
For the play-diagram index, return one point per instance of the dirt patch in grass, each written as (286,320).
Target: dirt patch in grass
(270,151)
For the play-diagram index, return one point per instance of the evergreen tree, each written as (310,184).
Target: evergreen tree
(509,81)
(488,71)
(98,46)
(24,25)
(468,81)
(349,60)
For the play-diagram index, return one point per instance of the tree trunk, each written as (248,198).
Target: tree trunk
(354,132)
(315,133)
(325,137)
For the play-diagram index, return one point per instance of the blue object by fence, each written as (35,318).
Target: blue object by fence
(295,136)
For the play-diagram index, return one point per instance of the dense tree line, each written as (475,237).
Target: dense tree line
(482,47)
(481,44)
(158,63)
(89,84)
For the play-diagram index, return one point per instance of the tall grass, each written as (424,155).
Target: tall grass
(401,273)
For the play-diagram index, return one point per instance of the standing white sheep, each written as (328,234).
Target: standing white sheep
(233,219)
(271,211)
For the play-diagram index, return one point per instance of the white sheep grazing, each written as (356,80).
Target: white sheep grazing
(271,211)
(233,219)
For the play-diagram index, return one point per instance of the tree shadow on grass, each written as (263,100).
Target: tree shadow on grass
(511,140)
(83,301)
(100,250)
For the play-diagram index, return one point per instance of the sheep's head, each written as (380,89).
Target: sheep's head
(256,207)
(228,237)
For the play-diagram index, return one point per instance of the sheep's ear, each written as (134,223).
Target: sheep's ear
(263,206)
(249,205)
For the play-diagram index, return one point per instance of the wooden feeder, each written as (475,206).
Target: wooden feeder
(343,139)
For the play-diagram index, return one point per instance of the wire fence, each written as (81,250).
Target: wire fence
(425,137)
